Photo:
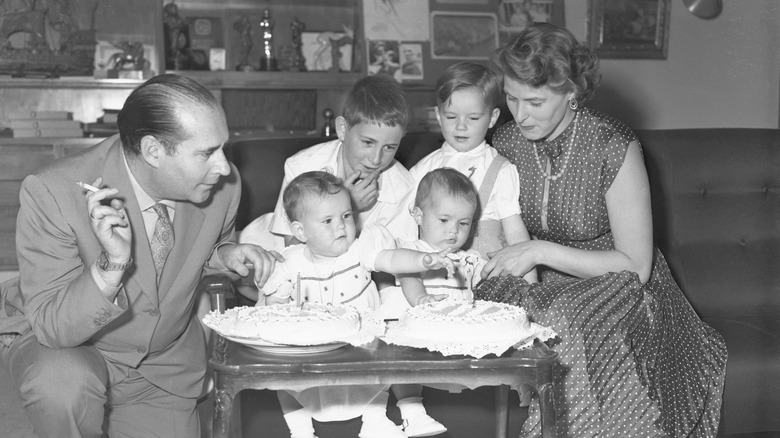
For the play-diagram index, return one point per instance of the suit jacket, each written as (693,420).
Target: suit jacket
(148,326)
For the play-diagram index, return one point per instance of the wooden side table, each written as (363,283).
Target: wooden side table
(238,367)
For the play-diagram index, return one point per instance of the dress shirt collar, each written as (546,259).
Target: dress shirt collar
(145,202)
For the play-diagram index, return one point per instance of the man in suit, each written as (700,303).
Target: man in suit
(101,334)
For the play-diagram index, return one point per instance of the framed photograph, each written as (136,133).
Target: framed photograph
(383,58)
(411,62)
(629,28)
(462,35)
(516,15)
(317,48)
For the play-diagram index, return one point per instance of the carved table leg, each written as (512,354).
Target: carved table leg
(547,408)
(223,407)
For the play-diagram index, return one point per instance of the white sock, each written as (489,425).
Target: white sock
(411,407)
(377,407)
(300,423)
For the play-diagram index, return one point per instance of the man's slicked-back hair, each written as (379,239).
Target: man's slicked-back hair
(153,109)
(446,180)
(377,99)
(306,186)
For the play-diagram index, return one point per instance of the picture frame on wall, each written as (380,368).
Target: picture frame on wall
(636,29)
(317,49)
(514,16)
(412,66)
(463,35)
(384,58)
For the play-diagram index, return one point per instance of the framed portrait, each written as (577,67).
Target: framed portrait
(412,62)
(384,58)
(463,35)
(317,48)
(629,28)
(514,16)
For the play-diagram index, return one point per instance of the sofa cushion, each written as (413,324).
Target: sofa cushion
(716,204)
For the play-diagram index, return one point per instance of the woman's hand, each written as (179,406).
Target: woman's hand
(516,260)
(435,261)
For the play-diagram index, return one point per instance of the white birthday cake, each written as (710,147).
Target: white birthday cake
(460,321)
(311,324)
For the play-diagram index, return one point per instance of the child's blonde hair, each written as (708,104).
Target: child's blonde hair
(449,181)
(377,99)
(469,75)
(306,185)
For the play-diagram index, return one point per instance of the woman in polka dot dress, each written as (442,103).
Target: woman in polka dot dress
(634,358)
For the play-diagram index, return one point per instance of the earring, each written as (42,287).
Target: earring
(573,104)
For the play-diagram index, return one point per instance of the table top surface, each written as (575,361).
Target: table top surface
(235,358)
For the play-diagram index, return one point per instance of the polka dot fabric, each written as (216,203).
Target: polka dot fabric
(634,360)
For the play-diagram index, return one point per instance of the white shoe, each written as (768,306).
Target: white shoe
(423,425)
(380,427)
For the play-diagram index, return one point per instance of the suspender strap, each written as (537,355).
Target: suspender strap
(486,188)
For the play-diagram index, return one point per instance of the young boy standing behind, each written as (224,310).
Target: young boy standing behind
(370,129)
(467,96)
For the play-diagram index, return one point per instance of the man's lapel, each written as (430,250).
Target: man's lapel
(186,227)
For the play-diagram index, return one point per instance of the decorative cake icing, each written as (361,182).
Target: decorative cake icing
(460,321)
(311,324)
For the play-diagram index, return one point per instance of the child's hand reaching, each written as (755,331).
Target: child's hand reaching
(430,298)
(434,261)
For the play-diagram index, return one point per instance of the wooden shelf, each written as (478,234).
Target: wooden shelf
(275,80)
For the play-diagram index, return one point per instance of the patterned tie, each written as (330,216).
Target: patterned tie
(162,239)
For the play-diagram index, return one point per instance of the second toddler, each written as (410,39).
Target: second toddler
(332,266)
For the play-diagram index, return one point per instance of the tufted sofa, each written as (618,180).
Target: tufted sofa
(716,211)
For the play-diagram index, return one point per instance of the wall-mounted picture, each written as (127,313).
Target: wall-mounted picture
(460,35)
(629,28)
(317,48)
(411,62)
(383,58)
(514,16)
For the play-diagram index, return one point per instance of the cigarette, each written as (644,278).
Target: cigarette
(86,186)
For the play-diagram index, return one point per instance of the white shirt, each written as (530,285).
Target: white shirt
(394,185)
(504,199)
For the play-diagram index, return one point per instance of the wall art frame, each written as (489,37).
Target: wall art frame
(637,29)
(463,35)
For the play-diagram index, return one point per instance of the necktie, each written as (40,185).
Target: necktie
(162,239)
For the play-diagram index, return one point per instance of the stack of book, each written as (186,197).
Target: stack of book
(45,124)
(105,125)
(425,118)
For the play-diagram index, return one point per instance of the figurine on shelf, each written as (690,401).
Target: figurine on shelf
(244,28)
(329,128)
(267,58)
(177,38)
(297,28)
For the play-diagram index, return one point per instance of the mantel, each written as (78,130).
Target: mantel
(276,80)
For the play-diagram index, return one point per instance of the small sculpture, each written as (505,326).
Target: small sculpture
(297,28)
(244,28)
(132,54)
(267,58)
(177,38)
(329,129)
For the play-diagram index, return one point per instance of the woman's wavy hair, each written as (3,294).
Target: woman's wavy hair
(547,55)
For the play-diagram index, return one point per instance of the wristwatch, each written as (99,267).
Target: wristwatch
(107,265)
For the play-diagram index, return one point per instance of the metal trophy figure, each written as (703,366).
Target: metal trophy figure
(267,58)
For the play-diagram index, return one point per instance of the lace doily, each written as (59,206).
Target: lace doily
(371,327)
(399,335)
